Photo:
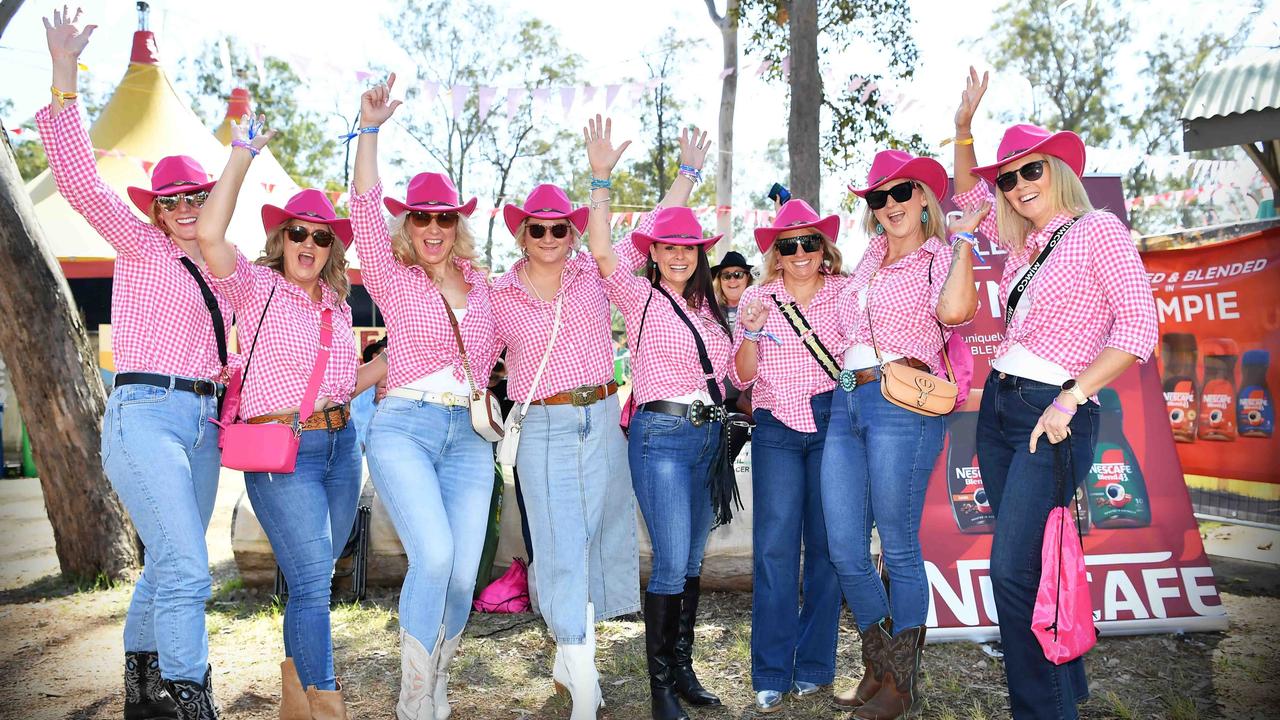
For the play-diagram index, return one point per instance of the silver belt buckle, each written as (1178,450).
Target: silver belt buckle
(583,396)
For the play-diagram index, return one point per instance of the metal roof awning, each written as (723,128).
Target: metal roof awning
(1238,104)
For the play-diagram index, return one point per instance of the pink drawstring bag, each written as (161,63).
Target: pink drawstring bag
(1063,617)
(507,594)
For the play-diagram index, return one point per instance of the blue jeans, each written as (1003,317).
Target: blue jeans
(876,469)
(1021,488)
(435,475)
(307,515)
(789,641)
(577,497)
(670,461)
(160,453)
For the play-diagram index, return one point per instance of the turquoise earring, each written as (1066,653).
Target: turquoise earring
(879,229)
(924,217)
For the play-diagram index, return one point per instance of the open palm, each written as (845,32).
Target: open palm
(601,153)
(974,89)
(66,39)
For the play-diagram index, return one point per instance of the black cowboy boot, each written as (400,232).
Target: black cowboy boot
(661,625)
(194,700)
(686,681)
(144,694)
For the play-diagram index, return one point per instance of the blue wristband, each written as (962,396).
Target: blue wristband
(691,172)
(754,335)
(253,151)
(973,243)
(598,184)
(372,129)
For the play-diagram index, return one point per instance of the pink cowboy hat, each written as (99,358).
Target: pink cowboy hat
(674,226)
(430,192)
(172,175)
(546,202)
(312,206)
(893,164)
(796,214)
(1023,139)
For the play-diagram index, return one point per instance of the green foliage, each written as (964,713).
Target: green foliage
(27,150)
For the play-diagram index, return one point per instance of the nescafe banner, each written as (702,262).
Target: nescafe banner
(1146,564)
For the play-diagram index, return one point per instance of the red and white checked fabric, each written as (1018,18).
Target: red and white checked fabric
(1092,292)
(903,300)
(159,322)
(664,358)
(787,374)
(286,344)
(583,354)
(420,336)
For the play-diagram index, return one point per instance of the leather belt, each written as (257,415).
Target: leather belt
(199,387)
(699,413)
(850,379)
(447,399)
(580,396)
(332,419)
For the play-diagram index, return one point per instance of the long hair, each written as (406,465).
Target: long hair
(935,227)
(715,285)
(464,242)
(698,291)
(1065,195)
(334,272)
(832,260)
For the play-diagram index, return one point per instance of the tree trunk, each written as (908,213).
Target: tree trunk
(55,374)
(728,24)
(806,103)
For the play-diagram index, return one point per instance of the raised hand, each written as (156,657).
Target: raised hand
(66,39)
(754,315)
(974,89)
(970,220)
(376,105)
(252,132)
(601,153)
(694,147)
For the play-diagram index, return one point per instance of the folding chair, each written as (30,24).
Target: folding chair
(356,549)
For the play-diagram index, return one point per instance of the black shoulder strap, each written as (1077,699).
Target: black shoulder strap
(708,372)
(643,315)
(211,302)
(791,311)
(244,376)
(1016,294)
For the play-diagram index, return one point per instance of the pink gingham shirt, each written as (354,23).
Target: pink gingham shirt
(583,353)
(286,345)
(664,358)
(787,374)
(421,337)
(159,322)
(1092,292)
(903,302)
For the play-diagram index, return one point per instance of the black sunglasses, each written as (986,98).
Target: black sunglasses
(170,202)
(559,231)
(1030,171)
(901,192)
(788,246)
(735,274)
(299,234)
(422,219)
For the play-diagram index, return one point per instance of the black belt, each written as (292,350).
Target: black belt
(699,413)
(199,387)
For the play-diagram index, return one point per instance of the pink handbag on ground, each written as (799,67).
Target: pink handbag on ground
(507,594)
(1063,616)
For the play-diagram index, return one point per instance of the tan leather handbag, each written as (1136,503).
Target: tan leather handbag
(486,413)
(911,388)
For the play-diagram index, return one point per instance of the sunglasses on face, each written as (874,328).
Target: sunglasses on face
(1030,171)
(422,219)
(735,274)
(299,234)
(170,202)
(901,192)
(559,231)
(788,246)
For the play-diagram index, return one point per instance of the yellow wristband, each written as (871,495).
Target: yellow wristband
(62,97)
(958,141)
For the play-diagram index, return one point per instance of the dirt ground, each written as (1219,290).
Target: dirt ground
(61,654)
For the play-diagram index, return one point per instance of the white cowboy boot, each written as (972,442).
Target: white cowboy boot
(575,671)
(445,656)
(417,678)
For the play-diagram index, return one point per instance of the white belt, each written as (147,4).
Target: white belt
(447,399)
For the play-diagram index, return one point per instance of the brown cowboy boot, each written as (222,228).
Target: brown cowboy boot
(874,640)
(900,667)
(293,699)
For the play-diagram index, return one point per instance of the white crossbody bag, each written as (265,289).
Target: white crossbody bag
(509,446)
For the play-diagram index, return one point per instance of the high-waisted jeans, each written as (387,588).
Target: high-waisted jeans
(160,453)
(791,642)
(307,516)
(435,475)
(581,510)
(670,459)
(1021,488)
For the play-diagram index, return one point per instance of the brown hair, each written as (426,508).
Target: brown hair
(334,273)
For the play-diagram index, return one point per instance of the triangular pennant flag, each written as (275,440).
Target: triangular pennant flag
(147,165)
(363,75)
(786,67)
(484,99)
(459,95)
(868,89)
(726,72)
(856,83)
(541,96)
(588,93)
(567,94)
(764,67)
(430,90)
(611,94)
(514,96)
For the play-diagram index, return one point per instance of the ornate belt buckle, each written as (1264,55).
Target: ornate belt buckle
(697,413)
(583,396)
(848,380)
(448,398)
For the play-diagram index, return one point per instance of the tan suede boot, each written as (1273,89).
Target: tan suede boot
(293,699)
(326,704)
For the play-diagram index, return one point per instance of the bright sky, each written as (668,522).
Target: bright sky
(612,36)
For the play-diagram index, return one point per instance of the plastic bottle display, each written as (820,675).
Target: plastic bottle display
(1255,414)
(1117,491)
(969,504)
(1217,416)
(1178,359)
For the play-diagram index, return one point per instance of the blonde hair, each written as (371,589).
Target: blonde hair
(464,242)
(577,236)
(334,272)
(832,260)
(719,291)
(1065,194)
(935,227)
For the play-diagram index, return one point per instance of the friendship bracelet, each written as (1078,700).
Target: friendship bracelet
(957,141)
(253,151)
(598,184)
(1062,408)
(969,238)
(371,130)
(691,172)
(755,335)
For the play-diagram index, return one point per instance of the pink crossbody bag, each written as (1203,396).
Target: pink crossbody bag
(269,447)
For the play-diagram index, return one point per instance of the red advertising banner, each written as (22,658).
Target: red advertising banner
(1146,563)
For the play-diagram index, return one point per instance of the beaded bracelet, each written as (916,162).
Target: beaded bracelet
(691,172)
(253,151)
(1063,408)
(601,184)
